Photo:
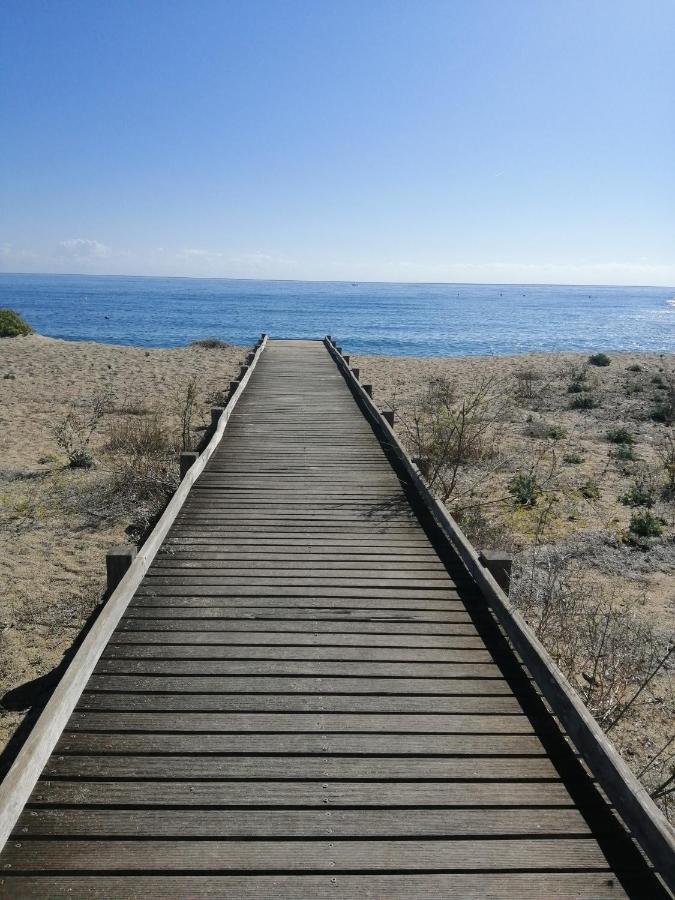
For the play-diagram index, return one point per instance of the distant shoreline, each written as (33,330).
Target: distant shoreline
(428,358)
(345,281)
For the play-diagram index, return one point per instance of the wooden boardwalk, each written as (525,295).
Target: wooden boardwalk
(306,698)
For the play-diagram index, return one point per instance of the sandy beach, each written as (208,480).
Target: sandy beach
(626,392)
(56,522)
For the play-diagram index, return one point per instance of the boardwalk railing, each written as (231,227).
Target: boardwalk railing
(22,776)
(640,814)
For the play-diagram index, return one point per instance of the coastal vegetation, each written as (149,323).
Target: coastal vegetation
(91,435)
(582,493)
(12,325)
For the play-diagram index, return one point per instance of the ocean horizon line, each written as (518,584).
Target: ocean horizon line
(346,281)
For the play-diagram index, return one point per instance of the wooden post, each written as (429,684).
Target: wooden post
(117,561)
(249,358)
(388,416)
(499,564)
(339,350)
(187,458)
(422,464)
(216,413)
(347,358)
(356,373)
(233,386)
(242,372)
(368,388)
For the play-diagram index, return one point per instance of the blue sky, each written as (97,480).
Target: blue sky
(434,140)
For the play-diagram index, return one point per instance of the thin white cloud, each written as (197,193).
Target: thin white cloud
(82,249)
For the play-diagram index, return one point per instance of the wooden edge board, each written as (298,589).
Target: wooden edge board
(17,785)
(641,815)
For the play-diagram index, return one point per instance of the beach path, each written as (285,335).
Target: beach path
(307,698)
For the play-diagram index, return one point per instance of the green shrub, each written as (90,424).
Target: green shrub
(12,325)
(573,458)
(556,432)
(81,458)
(620,436)
(524,489)
(590,490)
(662,411)
(638,495)
(584,401)
(541,429)
(210,344)
(599,359)
(576,387)
(625,451)
(644,524)
(659,381)
(634,368)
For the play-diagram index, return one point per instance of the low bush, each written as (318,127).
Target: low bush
(584,401)
(524,489)
(662,412)
(666,453)
(664,405)
(136,436)
(639,494)
(541,429)
(620,436)
(556,432)
(210,343)
(573,458)
(590,490)
(73,434)
(634,368)
(12,325)
(625,452)
(526,383)
(576,387)
(599,359)
(645,524)
(608,650)
(81,458)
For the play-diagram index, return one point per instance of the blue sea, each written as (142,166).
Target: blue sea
(400,319)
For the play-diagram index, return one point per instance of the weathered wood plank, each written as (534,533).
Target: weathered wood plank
(120,651)
(357,744)
(272,823)
(278,684)
(296,722)
(477,886)
(323,668)
(429,704)
(335,855)
(284,767)
(216,794)
(286,637)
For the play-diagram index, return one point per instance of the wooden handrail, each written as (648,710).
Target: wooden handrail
(643,818)
(31,759)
